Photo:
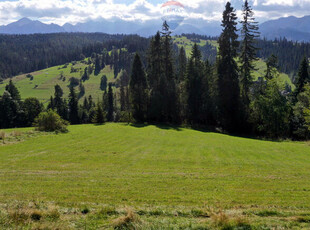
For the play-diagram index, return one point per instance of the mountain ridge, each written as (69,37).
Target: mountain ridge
(291,28)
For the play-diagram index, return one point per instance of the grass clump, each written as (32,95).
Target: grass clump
(222,221)
(303,219)
(18,217)
(199,213)
(130,221)
(267,213)
(52,215)
(108,211)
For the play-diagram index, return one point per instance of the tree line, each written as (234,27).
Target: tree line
(27,53)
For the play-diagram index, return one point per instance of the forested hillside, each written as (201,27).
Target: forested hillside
(28,53)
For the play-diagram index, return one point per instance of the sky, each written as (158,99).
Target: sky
(74,11)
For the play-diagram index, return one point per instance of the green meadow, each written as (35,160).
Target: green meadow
(151,177)
(42,85)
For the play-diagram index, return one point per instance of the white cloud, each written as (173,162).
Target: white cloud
(73,11)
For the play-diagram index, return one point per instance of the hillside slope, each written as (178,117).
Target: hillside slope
(42,86)
(171,175)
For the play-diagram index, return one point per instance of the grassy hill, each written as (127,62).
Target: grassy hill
(42,85)
(172,178)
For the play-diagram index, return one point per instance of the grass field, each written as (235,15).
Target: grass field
(165,177)
(42,86)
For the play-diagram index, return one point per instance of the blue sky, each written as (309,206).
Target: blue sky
(73,11)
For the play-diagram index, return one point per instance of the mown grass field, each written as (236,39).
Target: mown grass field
(169,177)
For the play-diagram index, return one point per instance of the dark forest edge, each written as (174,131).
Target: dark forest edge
(166,87)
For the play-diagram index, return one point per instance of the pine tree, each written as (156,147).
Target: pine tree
(73,107)
(249,34)
(9,109)
(110,103)
(58,103)
(104,83)
(194,80)
(97,65)
(124,81)
(12,89)
(85,75)
(227,71)
(156,80)
(171,108)
(138,91)
(303,78)
(182,64)
(272,67)
(99,115)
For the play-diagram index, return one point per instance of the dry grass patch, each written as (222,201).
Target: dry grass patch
(129,221)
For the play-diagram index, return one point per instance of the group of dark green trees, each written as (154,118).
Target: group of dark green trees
(17,113)
(224,94)
(166,86)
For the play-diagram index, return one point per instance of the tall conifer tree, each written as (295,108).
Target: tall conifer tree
(249,34)
(73,107)
(138,91)
(227,70)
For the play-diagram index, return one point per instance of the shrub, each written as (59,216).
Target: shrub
(85,211)
(74,82)
(2,136)
(36,216)
(50,121)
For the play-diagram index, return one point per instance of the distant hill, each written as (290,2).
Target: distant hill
(27,26)
(292,28)
(111,26)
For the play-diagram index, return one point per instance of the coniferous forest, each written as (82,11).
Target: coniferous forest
(159,83)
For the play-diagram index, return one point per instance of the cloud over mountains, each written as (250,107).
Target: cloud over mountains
(74,11)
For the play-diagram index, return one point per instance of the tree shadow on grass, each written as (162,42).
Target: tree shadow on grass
(158,125)
(205,129)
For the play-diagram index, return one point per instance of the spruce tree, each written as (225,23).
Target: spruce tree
(303,77)
(104,83)
(155,76)
(249,34)
(110,103)
(85,75)
(272,67)
(99,115)
(97,65)
(195,87)
(12,89)
(182,62)
(138,91)
(227,71)
(171,108)
(73,107)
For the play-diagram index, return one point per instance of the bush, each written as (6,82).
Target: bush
(36,216)
(85,211)
(50,121)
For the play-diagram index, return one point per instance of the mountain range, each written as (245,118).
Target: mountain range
(292,28)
